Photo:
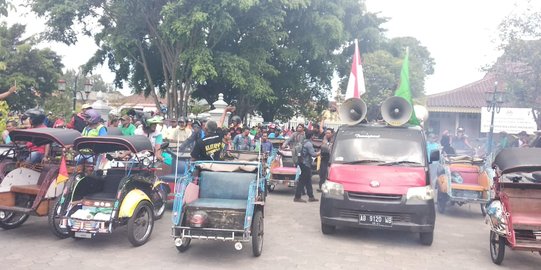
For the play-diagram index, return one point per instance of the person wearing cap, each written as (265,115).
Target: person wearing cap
(461,143)
(126,127)
(77,121)
(178,133)
(170,130)
(210,147)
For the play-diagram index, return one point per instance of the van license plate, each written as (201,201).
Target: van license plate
(83,235)
(376,220)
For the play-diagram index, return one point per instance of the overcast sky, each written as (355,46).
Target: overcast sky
(461,35)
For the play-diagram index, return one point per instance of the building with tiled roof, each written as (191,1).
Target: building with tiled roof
(460,107)
(137,102)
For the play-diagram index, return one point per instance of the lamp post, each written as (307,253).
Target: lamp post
(87,89)
(494,103)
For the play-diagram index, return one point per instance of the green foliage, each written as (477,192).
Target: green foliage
(520,65)
(275,57)
(35,71)
(381,70)
(5,6)
(4,110)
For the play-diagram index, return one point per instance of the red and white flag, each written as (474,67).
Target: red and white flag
(356,86)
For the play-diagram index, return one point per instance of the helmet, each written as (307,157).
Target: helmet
(154,120)
(182,120)
(196,124)
(460,129)
(236,119)
(37,116)
(92,116)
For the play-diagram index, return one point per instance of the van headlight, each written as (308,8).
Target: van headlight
(420,193)
(333,189)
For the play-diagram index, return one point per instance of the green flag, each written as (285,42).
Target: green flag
(404,88)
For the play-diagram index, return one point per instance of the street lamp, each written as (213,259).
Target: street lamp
(87,89)
(494,103)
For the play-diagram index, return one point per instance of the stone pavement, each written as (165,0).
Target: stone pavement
(293,240)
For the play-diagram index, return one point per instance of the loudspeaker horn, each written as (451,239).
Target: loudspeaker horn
(352,111)
(396,111)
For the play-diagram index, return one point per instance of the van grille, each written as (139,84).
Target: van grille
(374,197)
(354,214)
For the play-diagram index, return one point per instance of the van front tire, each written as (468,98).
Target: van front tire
(327,229)
(427,238)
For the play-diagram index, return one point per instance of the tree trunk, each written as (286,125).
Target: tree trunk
(148,76)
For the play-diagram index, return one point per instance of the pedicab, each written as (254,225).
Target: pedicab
(116,192)
(282,168)
(29,189)
(462,180)
(7,160)
(220,200)
(514,215)
(175,165)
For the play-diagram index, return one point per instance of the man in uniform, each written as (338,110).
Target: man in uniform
(211,145)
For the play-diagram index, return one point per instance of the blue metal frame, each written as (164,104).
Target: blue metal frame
(182,183)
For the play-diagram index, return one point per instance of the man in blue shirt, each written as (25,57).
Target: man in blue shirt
(266,145)
(243,142)
(305,179)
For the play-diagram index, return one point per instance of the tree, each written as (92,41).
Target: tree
(276,57)
(34,70)
(520,64)
(382,71)
(4,7)
(281,57)
(161,44)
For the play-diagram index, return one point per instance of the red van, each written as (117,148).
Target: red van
(378,178)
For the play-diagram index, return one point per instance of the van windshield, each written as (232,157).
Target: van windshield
(374,149)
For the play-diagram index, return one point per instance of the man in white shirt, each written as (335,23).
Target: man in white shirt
(178,133)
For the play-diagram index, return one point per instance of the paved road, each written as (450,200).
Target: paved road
(293,240)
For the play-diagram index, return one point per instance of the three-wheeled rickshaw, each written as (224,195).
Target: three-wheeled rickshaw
(122,189)
(514,215)
(29,189)
(463,179)
(282,168)
(220,200)
(7,160)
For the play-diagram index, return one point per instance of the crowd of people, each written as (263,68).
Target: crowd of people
(459,143)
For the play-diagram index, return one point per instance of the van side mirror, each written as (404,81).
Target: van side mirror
(434,156)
